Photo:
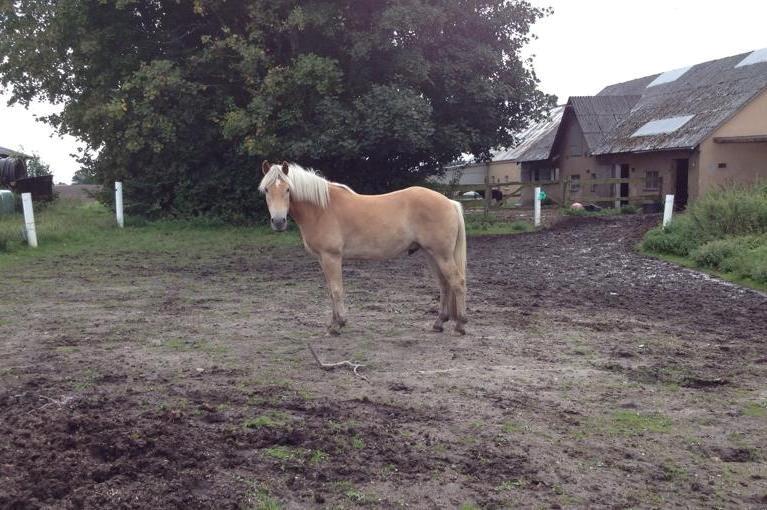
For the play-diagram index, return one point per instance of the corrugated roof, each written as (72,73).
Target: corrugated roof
(597,115)
(711,92)
(11,153)
(535,140)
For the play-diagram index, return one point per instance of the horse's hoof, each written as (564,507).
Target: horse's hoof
(333,331)
(460,329)
(437,328)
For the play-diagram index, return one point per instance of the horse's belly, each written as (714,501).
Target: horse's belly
(376,251)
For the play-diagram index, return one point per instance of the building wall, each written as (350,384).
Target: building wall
(661,162)
(574,161)
(723,163)
(505,171)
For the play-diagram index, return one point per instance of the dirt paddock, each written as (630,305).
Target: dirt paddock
(591,377)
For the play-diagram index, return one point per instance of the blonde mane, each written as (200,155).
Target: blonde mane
(305,185)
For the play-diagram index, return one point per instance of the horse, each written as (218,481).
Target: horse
(336,223)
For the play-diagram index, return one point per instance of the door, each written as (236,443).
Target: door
(624,185)
(682,167)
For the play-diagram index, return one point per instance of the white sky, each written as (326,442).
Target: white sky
(584,46)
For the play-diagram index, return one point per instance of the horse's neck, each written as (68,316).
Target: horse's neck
(304,213)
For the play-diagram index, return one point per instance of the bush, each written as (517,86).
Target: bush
(734,211)
(675,239)
(725,230)
(714,254)
(751,263)
(724,213)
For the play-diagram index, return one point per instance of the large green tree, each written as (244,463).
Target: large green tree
(181,100)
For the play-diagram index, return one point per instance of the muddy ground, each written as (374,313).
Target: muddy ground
(591,376)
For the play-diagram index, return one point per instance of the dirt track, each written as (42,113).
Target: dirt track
(591,377)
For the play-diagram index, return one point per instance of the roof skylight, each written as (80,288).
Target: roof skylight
(754,57)
(662,126)
(669,76)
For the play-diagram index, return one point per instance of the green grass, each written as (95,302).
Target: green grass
(282,452)
(68,228)
(627,423)
(479,224)
(274,420)
(756,409)
(71,228)
(689,263)
(723,232)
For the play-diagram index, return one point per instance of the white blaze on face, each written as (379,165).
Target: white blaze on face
(277,191)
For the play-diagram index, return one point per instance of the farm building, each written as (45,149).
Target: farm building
(504,166)
(12,166)
(681,132)
(14,176)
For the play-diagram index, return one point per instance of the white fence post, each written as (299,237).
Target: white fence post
(537,207)
(29,219)
(668,210)
(119,204)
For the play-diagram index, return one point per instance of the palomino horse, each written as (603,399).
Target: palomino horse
(335,222)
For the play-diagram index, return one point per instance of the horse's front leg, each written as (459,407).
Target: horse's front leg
(331,267)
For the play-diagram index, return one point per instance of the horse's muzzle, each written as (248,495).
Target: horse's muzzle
(279,224)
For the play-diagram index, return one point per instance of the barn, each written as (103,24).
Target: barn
(504,166)
(680,132)
(14,176)
(12,167)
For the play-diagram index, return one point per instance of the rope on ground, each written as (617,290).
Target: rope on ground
(332,366)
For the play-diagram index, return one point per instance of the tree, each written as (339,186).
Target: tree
(36,167)
(84,175)
(181,100)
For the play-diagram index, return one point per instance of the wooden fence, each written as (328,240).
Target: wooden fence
(564,195)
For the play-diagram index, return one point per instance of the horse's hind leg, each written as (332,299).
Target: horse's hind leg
(456,283)
(331,267)
(444,295)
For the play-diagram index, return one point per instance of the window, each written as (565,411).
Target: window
(575,183)
(669,76)
(594,176)
(652,180)
(755,57)
(722,165)
(662,126)
(507,178)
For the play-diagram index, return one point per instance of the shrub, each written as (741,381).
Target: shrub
(733,211)
(724,213)
(676,239)
(749,263)
(721,251)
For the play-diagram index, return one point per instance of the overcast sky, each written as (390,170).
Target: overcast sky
(584,46)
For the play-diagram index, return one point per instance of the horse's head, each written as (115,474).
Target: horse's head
(277,191)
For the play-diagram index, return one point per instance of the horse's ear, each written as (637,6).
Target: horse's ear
(285,167)
(265,166)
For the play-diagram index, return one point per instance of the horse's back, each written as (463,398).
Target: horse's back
(380,226)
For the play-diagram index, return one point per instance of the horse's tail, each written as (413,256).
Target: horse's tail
(459,253)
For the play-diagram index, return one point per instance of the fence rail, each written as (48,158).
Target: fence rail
(515,189)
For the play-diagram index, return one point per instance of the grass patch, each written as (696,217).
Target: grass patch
(282,452)
(724,231)
(511,485)
(479,224)
(272,420)
(511,427)
(628,423)
(755,409)
(72,227)
(258,498)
